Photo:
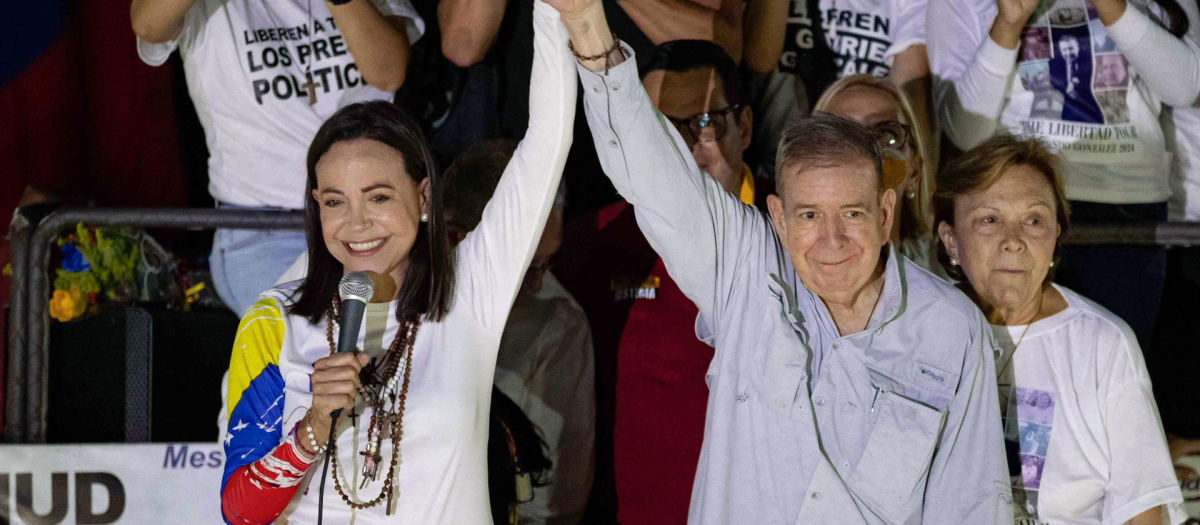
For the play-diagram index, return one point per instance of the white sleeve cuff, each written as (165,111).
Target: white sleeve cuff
(156,54)
(1168,496)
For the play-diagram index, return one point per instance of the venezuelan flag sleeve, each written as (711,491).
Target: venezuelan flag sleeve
(255,394)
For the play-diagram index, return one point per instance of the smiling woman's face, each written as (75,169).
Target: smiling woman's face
(1004,237)
(370,207)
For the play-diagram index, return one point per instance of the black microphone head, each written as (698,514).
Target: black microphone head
(356,286)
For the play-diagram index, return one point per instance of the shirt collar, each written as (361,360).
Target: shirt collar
(894,296)
(892,299)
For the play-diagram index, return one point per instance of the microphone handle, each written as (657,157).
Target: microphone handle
(350,322)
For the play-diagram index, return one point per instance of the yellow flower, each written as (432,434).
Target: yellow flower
(65,305)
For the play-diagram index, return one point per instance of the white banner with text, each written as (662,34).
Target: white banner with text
(111,483)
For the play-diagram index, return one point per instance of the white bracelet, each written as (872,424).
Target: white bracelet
(313,441)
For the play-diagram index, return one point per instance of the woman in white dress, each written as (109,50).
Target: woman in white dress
(410,446)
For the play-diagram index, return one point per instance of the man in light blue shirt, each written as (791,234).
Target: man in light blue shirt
(849,385)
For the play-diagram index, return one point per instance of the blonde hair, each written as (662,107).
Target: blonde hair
(916,218)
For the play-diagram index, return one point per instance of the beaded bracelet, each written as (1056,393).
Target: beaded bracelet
(321,449)
(615,46)
(298,443)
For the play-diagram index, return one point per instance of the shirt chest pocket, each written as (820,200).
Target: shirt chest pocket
(895,462)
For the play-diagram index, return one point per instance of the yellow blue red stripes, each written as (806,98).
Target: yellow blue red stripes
(255,394)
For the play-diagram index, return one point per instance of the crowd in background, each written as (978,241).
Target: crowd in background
(600,358)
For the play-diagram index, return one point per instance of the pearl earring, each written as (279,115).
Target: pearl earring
(424,217)
(953,262)
(912,194)
(1051,264)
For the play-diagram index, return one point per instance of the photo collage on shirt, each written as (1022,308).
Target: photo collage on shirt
(1071,65)
(1028,421)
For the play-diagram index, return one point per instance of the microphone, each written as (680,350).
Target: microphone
(355,291)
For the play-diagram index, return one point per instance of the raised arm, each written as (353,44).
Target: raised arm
(379,42)
(699,230)
(971,69)
(493,258)
(469,28)
(968,480)
(764,26)
(1169,65)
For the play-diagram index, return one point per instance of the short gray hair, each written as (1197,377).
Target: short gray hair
(823,141)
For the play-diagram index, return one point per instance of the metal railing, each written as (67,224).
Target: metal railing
(25,400)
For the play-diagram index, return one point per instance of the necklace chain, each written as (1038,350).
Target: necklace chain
(401,350)
(1012,355)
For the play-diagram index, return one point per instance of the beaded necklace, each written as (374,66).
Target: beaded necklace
(379,390)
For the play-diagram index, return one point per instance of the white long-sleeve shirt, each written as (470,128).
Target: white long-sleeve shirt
(1094,93)
(442,473)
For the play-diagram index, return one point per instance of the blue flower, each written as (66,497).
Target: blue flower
(73,261)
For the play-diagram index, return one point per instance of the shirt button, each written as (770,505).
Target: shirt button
(596,89)
(846,464)
(816,496)
(820,401)
(837,346)
(616,86)
(612,143)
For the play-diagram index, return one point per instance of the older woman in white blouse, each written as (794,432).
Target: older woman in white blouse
(1085,445)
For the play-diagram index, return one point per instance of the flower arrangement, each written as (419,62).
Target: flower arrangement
(98,265)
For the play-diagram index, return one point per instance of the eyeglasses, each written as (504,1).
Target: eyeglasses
(892,135)
(705,127)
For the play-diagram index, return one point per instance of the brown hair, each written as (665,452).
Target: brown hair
(917,216)
(428,286)
(980,168)
(472,179)
(825,140)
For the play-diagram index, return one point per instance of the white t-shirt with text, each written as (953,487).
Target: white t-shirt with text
(863,34)
(1083,437)
(1093,93)
(247,64)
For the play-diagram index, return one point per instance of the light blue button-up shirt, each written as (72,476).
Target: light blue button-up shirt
(896,424)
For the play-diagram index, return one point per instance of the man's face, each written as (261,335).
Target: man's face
(682,95)
(1111,73)
(833,221)
(1069,48)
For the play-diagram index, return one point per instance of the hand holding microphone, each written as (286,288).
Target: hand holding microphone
(335,378)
